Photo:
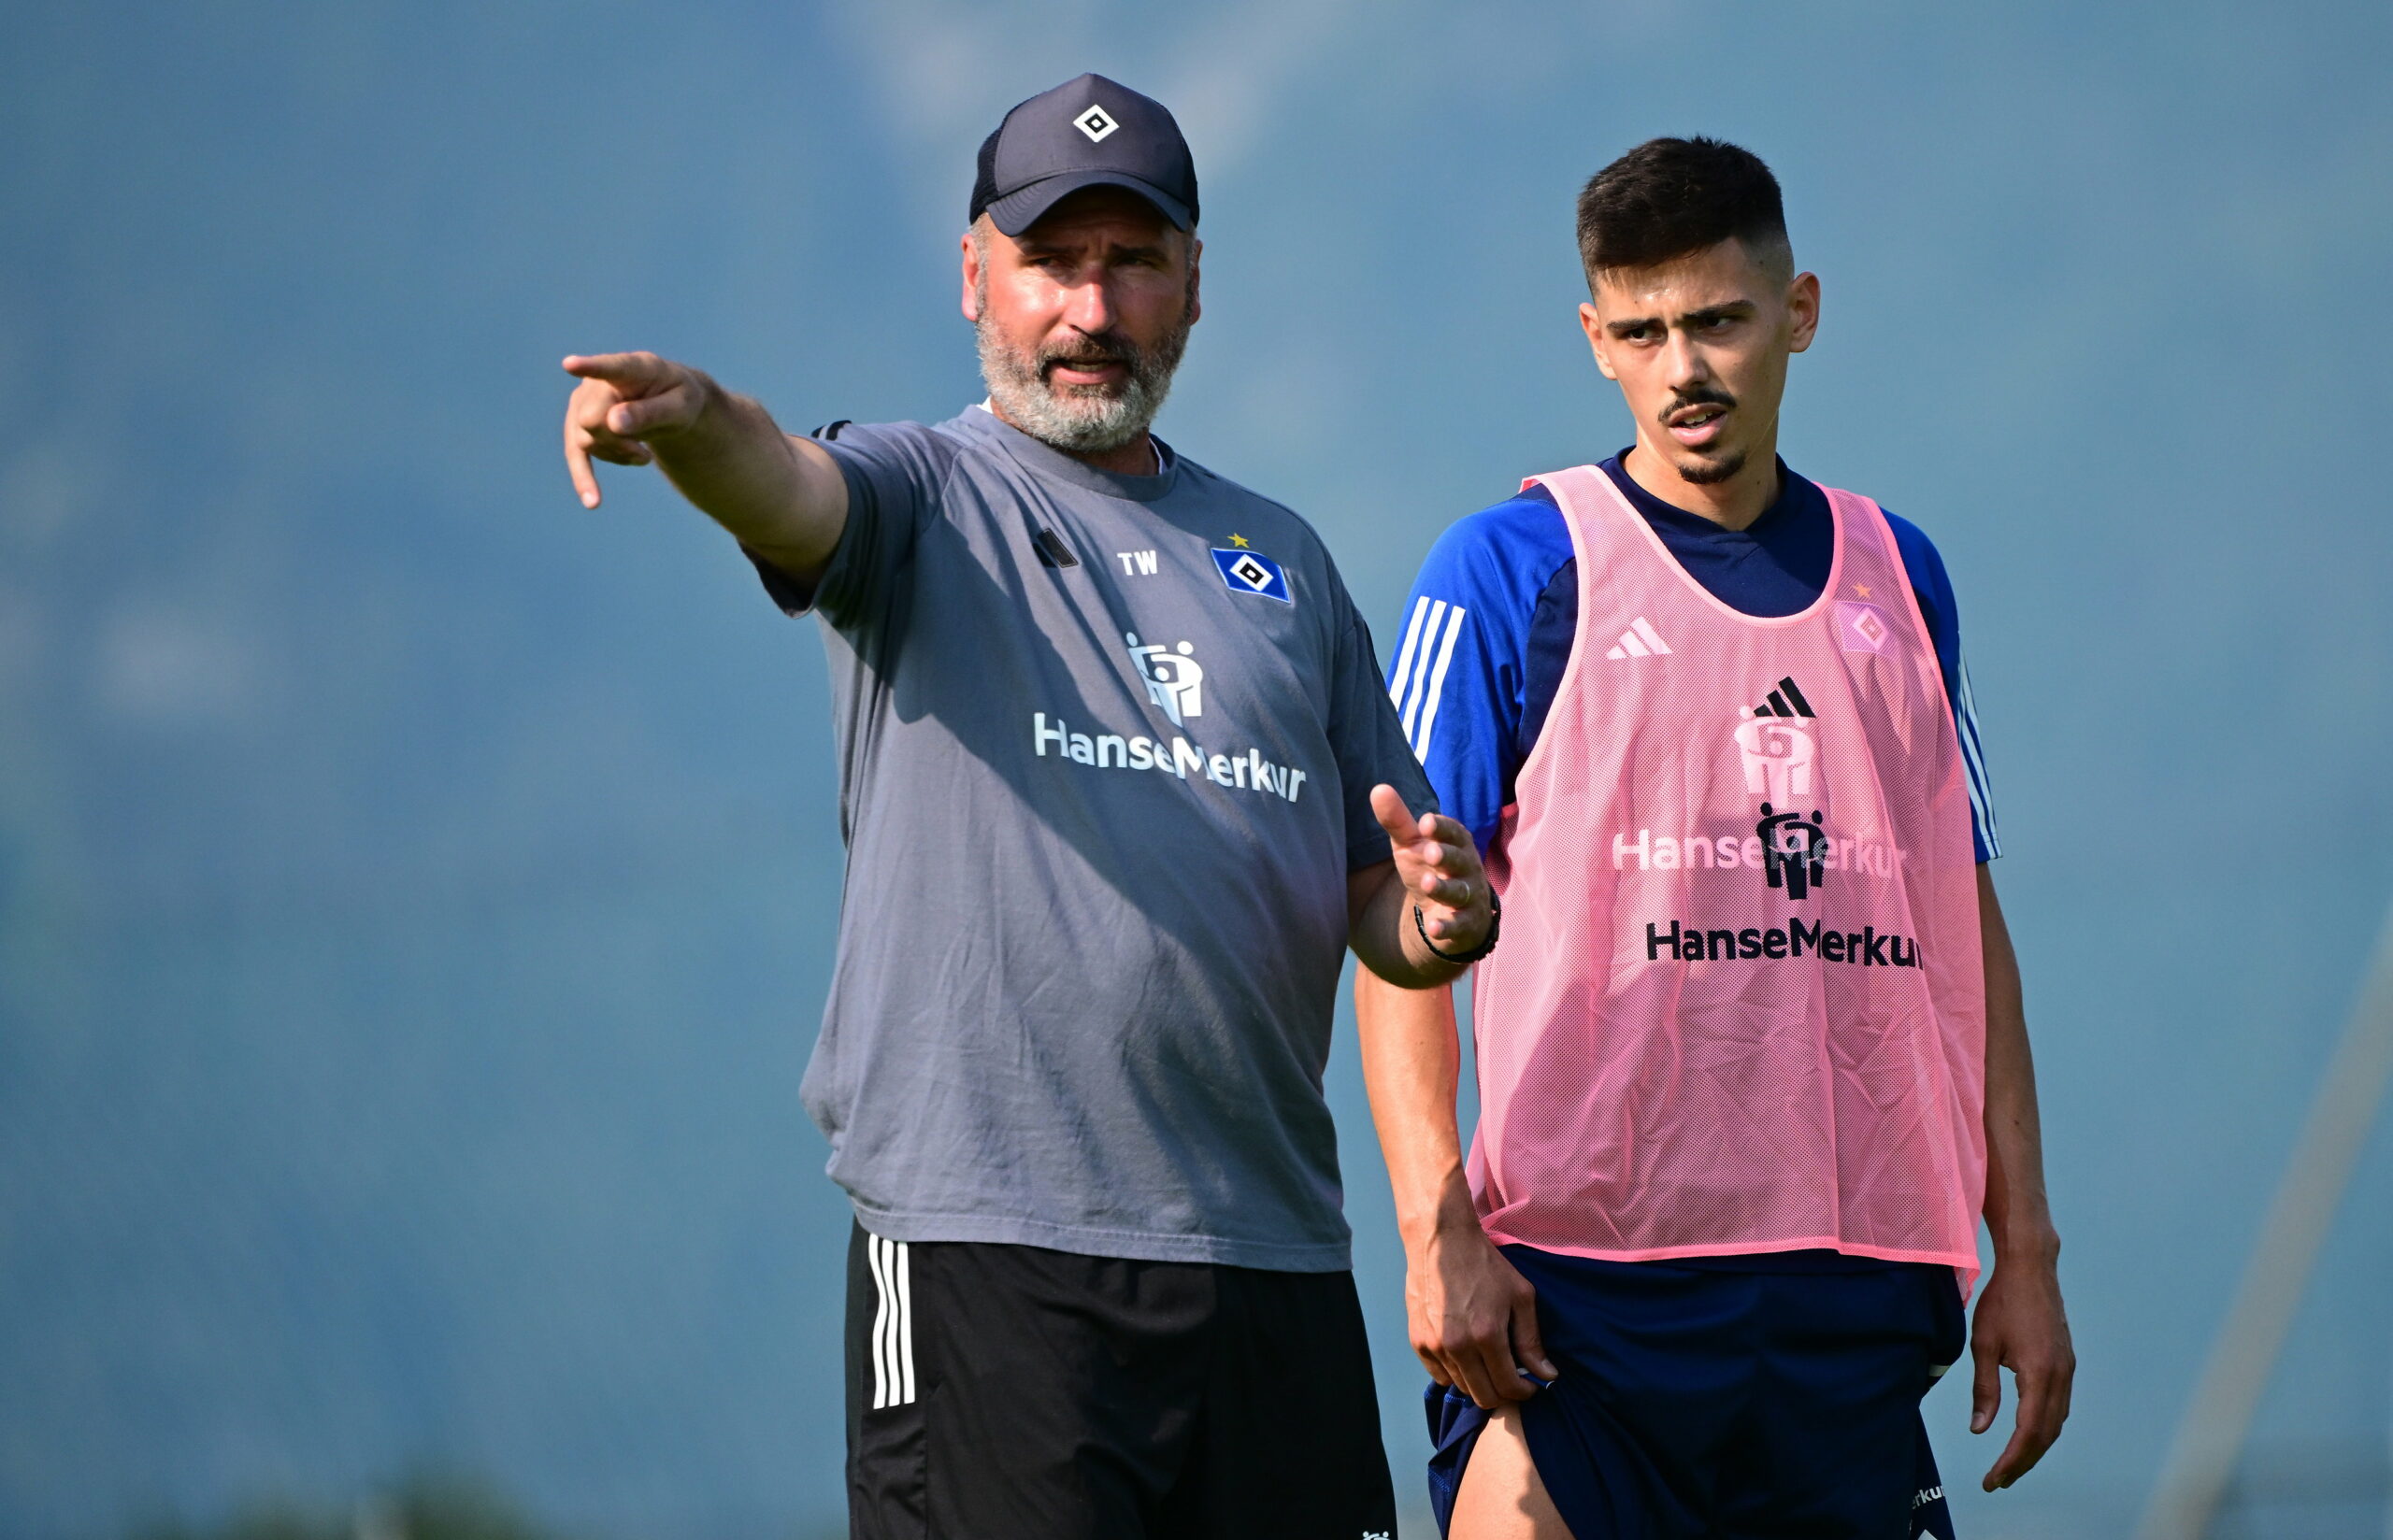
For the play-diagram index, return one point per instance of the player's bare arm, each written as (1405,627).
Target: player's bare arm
(781,497)
(2021,1325)
(1417,918)
(1472,1318)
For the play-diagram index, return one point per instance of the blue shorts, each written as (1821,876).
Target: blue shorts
(1729,1396)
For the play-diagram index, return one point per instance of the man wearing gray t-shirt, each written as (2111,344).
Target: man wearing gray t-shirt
(1118,786)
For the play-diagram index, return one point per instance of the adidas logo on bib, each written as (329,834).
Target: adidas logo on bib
(1640,640)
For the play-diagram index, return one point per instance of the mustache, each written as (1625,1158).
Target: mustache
(1107,348)
(1702,396)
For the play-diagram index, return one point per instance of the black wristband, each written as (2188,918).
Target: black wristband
(1486,943)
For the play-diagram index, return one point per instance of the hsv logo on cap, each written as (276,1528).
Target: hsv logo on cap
(1089,132)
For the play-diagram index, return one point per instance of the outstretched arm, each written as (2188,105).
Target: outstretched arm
(781,497)
(1473,1319)
(1434,869)
(2021,1325)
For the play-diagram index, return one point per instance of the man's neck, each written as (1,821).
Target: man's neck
(1139,456)
(1733,504)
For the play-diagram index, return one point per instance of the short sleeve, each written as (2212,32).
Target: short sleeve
(892,471)
(1367,741)
(1462,675)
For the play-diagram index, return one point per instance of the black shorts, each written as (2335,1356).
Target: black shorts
(1010,1392)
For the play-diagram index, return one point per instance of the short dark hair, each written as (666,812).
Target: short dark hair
(1669,197)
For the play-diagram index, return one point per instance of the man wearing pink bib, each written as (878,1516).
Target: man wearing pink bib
(1750,1054)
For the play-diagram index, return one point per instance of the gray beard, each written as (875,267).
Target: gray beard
(1078,419)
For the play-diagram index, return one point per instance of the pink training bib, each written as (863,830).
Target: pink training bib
(1739,1003)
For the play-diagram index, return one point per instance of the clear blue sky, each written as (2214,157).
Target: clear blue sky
(415,893)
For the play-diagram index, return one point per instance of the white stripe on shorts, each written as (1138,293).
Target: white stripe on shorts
(879,1322)
(905,1269)
(892,1323)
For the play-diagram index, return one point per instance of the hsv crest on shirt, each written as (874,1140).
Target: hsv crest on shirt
(1252,571)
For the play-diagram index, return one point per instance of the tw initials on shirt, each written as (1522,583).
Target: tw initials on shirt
(1135,564)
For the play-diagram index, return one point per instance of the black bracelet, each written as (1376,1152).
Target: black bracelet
(1486,943)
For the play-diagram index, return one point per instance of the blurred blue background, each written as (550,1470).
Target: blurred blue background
(416,892)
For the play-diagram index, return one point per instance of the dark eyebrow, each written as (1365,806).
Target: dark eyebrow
(1735,309)
(1626,325)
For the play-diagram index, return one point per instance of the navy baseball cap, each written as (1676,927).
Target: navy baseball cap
(1091,132)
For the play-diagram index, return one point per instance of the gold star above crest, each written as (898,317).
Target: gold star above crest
(1239,541)
(1862,588)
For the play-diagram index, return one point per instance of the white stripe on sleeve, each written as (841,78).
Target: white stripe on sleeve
(1438,683)
(1421,664)
(1974,757)
(1404,654)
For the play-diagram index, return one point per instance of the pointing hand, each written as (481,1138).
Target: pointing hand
(625,399)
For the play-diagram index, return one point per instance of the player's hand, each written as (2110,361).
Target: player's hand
(2022,1327)
(623,401)
(1438,866)
(1473,1317)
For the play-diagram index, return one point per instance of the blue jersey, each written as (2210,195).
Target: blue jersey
(1489,627)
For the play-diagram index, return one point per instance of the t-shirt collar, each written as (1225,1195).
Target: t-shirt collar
(1045,460)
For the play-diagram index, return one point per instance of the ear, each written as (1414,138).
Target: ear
(972,279)
(1595,329)
(1802,311)
(1195,280)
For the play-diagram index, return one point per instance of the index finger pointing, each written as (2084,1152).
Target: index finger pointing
(616,368)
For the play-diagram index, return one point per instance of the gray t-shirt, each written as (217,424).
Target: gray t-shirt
(1106,745)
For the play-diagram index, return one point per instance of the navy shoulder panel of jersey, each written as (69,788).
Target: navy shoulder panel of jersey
(1460,666)
(1775,565)
(1934,587)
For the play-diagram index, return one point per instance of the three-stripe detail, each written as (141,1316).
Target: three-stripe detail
(1785,701)
(1640,640)
(1965,719)
(892,1323)
(1421,668)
